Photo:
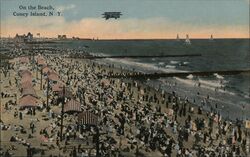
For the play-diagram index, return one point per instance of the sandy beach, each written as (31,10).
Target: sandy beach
(133,119)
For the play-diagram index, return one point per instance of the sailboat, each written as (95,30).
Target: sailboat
(187,41)
(211,37)
(178,38)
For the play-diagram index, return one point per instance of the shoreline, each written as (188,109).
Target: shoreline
(143,108)
(225,113)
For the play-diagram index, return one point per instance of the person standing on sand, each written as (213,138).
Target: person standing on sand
(34,111)
(29,152)
(50,113)
(7,154)
(20,115)
(15,113)
(32,127)
(74,152)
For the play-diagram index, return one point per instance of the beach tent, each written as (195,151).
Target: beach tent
(28,91)
(72,106)
(57,87)
(41,62)
(53,76)
(26,78)
(24,73)
(27,84)
(87,118)
(67,93)
(28,101)
(46,69)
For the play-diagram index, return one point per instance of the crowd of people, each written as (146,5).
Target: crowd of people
(133,119)
(137,116)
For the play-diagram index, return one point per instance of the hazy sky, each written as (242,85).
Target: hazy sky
(140,19)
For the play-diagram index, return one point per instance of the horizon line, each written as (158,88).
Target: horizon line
(81,38)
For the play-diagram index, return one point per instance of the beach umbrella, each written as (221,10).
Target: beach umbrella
(25,73)
(67,93)
(28,91)
(57,87)
(26,84)
(28,101)
(53,76)
(87,118)
(41,62)
(46,69)
(26,79)
(72,106)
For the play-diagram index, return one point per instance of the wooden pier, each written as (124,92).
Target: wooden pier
(177,74)
(135,56)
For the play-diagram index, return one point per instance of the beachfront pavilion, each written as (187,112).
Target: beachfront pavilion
(28,102)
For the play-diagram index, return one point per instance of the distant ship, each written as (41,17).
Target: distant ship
(187,41)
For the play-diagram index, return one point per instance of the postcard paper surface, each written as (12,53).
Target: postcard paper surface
(116,78)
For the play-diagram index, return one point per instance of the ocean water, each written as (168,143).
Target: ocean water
(230,92)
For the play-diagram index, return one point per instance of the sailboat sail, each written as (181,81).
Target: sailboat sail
(211,38)
(187,41)
(178,38)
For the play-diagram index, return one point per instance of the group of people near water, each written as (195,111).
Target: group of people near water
(133,118)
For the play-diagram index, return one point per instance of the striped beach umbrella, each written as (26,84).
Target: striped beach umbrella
(72,106)
(87,118)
